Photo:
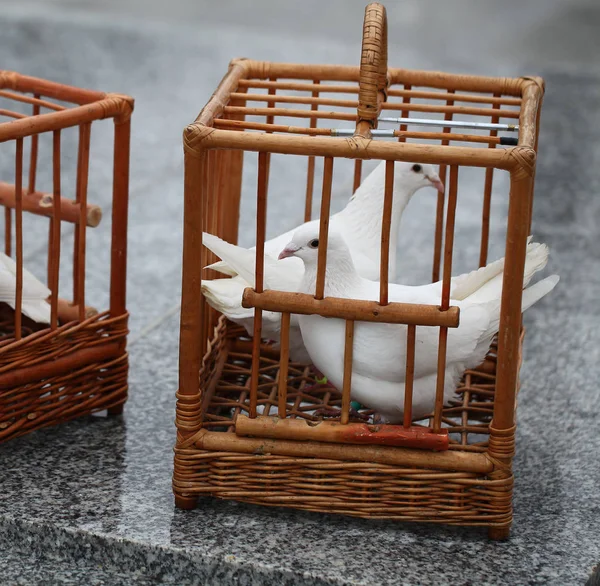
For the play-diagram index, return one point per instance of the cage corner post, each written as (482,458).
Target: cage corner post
(501,448)
(190,343)
(120,208)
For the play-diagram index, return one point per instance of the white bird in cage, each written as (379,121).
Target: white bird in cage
(379,359)
(35,294)
(360,222)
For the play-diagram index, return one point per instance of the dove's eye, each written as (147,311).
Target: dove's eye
(417,168)
(314,243)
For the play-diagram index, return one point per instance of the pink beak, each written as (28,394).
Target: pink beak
(289,250)
(435,181)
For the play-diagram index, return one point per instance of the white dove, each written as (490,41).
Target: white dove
(379,359)
(35,294)
(360,222)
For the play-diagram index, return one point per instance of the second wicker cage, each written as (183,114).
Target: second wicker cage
(438,469)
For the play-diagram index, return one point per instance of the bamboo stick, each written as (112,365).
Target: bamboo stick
(341,432)
(410,374)
(19,236)
(283,365)
(324,227)
(392,455)
(347,380)
(398,313)
(41,204)
(443,337)
(392,92)
(385,232)
(310,173)
(54,251)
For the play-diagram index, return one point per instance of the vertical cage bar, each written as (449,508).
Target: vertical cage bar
(33,155)
(405,113)
(535,148)
(7,231)
(118,264)
(261,228)
(19,236)
(357,174)
(201,177)
(512,291)
(284,358)
(310,173)
(56,225)
(439,213)
(213,208)
(445,304)
(347,383)
(192,345)
(385,233)
(410,374)
(83,160)
(487,197)
(324,227)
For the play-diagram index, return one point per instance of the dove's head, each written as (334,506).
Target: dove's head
(417,175)
(305,245)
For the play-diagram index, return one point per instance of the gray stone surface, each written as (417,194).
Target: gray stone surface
(90,502)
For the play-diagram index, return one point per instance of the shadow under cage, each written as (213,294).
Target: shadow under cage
(249,419)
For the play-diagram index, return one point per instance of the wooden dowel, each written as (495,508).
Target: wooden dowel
(28,100)
(404,114)
(51,121)
(41,204)
(310,174)
(357,148)
(324,227)
(449,241)
(52,89)
(396,313)
(445,303)
(283,365)
(353,89)
(347,381)
(357,175)
(446,136)
(341,432)
(261,223)
(487,203)
(395,456)
(346,73)
(33,153)
(192,339)
(386,227)
(80,229)
(19,236)
(7,231)
(11,114)
(405,105)
(441,379)
(385,106)
(56,225)
(410,374)
(118,263)
(439,214)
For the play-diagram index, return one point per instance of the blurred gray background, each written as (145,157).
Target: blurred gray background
(91,500)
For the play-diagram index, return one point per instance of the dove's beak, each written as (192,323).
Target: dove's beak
(436,182)
(289,250)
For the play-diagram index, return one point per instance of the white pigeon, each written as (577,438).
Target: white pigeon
(35,294)
(360,222)
(379,359)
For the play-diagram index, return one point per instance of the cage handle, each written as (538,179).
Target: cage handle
(373,68)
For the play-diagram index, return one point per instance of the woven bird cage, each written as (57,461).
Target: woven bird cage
(75,362)
(246,428)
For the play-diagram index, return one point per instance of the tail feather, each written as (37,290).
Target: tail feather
(485,284)
(241,260)
(222,267)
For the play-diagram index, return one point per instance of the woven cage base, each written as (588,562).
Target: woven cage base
(346,486)
(49,377)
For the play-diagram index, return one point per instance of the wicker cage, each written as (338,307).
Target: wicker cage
(247,430)
(76,363)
